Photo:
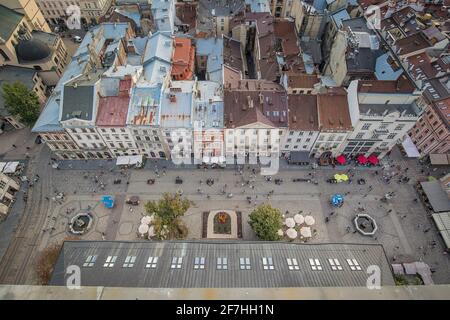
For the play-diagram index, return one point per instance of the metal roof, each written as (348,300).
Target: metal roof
(210,276)
(436,195)
(213,48)
(9,20)
(442,221)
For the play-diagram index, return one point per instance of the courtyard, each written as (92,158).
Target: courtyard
(404,229)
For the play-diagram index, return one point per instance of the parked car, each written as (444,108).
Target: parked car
(133,200)
(301,180)
(77,39)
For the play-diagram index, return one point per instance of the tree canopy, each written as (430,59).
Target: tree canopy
(265,222)
(21,102)
(168,212)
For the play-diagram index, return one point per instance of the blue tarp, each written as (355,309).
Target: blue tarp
(108,201)
(337,200)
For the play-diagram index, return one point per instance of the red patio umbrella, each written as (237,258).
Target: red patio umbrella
(361,159)
(341,159)
(373,160)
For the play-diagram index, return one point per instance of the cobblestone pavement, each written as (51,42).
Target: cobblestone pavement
(402,222)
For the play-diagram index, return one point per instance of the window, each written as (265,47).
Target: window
(222,263)
(366,126)
(267,263)
(293,264)
(109,263)
(151,262)
(244,263)
(359,136)
(315,264)
(129,261)
(335,264)
(391,136)
(399,127)
(199,263)
(354,265)
(90,261)
(176,262)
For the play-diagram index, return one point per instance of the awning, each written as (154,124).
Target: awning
(361,159)
(410,148)
(437,159)
(129,160)
(442,221)
(215,160)
(10,167)
(341,159)
(373,160)
(299,157)
(436,195)
(206,159)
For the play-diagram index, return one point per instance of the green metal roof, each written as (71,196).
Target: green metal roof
(9,19)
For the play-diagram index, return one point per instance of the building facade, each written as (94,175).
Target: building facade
(381,114)
(431,134)
(55,11)
(303,124)
(334,123)
(8,190)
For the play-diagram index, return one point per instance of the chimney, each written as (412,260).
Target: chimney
(231,118)
(294,119)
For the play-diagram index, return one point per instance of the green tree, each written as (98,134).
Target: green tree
(168,212)
(21,102)
(266,221)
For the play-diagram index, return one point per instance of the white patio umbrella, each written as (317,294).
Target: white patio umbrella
(280,232)
(143,229)
(147,219)
(309,220)
(290,223)
(306,232)
(291,233)
(299,219)
(151,232)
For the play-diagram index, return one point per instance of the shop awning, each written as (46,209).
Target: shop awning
(129,160)
(373,159)
(439,159)
(442,221)
(410,148)
(299,157)
(341,159)
(361,159)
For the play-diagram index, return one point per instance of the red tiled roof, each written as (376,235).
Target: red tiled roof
(303,115)
(247,106)
(297,80)
(112,111)
(333,112)
(401,85)
(285,31)
(415,42)
(183,59)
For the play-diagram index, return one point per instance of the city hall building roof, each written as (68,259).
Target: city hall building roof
(217,264)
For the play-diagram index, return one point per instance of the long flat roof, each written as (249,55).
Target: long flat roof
(436,195)
(195,264)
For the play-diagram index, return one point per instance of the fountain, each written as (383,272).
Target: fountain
(80,223)
(365,224)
